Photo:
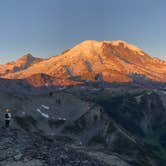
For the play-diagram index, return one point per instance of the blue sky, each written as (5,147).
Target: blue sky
(47,27)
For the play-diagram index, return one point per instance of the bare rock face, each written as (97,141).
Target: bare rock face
(19,148)
(114,60)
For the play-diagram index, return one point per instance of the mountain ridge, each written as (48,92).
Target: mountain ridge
(20,64)
(114,60)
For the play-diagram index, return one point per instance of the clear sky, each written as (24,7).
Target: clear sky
(47,27)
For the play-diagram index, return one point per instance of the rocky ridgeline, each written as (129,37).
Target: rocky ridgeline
(120,126)
(18,148)
(113,61)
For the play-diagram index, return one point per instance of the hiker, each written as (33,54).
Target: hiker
(7,117)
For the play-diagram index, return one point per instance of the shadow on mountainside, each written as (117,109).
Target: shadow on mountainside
(42,83)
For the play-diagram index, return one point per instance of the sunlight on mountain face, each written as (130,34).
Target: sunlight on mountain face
(114,60)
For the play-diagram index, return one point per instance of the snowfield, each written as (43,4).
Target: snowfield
(45,107)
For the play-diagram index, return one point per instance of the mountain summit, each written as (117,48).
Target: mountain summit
(114,61)
(21,64)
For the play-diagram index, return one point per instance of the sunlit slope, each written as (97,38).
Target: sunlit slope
(114,61)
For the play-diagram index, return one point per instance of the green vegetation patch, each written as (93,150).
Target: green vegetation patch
(124,109)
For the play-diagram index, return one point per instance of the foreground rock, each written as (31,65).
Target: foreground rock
(120,126)
(18,148)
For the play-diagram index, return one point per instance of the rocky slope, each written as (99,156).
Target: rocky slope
(19,148)
(21,64)
(120,126)
(96,61)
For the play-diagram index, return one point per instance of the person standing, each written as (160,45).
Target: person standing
(8,117)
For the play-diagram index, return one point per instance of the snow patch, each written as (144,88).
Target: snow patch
(62,118)
(43,114)
(164,92)
(69,70)
(149,93)
(62,88)
(89,65)
(94,89)
(45,107)
(23,113)
(127,45)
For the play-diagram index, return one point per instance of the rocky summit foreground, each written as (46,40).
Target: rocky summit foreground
(18,148)
(119,126)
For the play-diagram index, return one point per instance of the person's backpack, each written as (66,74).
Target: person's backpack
(7,116)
